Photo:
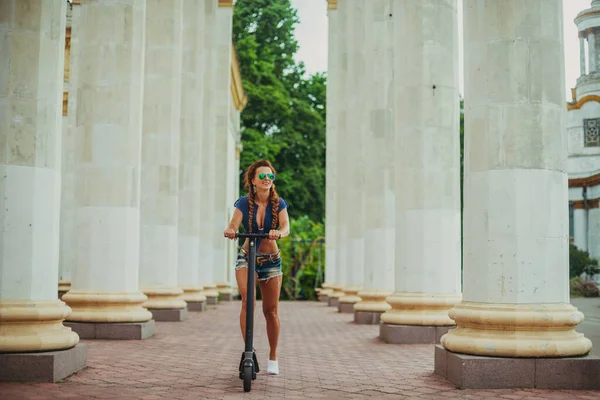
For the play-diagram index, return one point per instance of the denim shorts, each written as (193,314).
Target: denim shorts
(270,267)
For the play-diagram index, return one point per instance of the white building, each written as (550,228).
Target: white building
(583,127)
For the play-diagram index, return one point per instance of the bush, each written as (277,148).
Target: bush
(582,288)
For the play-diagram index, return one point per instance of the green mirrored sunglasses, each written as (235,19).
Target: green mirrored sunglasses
(263,176)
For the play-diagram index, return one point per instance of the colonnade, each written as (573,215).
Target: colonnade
(121,140)
(393,209)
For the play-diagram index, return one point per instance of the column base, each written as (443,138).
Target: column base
(373,300)
(225,291)
(426,309)
(169,314)
(113,331)
(212,294)
(193,294)
(48,367)
(412,334)
(226,297)
(367,317)
(482,372)
(168,298)
(28,325)
(516,330)
(196,305)
(346,308)
(333,299)
(347,302)
(63,287)
(212,300)
(324,293)
(107,307)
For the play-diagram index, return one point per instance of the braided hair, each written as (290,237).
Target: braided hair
(273,196)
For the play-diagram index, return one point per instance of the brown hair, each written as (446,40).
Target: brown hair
(273,196)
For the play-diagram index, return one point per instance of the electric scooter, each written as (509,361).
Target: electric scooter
(249,364)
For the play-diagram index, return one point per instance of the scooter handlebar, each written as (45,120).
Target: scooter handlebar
(252,235)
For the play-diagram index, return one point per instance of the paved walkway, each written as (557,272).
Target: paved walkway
(322,355)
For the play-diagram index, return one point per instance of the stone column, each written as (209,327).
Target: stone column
(105,295)
(221,149)
(331,206)
(31,315)
(581,55)
(580,229)
(238,151)
(354,153)
(238,101)
(591,37)
(341,144)
(378,276)
(427,172)
(190,153)
(208,166)
(68,231)
(160,162)
(516,286)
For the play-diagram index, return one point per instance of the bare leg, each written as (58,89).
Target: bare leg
(241,276)
(270,290)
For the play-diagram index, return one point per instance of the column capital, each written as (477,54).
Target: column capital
(240,99)
(332,4)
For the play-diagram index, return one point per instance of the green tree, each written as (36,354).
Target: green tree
(580,262)
(304,265)
(284,120)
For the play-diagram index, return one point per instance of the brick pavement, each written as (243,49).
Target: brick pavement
(323,355)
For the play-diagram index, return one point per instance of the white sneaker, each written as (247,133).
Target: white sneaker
(272,367)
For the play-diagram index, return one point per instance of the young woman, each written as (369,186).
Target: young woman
(262,211)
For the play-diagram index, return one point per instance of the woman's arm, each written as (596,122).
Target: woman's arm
(234,225)
(284,223)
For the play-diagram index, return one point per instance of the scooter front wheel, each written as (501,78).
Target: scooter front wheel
(248,378)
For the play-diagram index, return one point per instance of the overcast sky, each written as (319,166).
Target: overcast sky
(311,34)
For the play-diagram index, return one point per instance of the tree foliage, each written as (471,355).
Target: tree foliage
(581,263)
(284,120)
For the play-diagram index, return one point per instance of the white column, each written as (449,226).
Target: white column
(342,90)
(331,205)
(160,156)
(105,277)
(30,135)
(591,37)
(238,101)
(594,232)
(68,231)
(580,232)
(379,207)
(427,164)
(354,155)
(222,100)
(207,237)
(581,55)
(190,153)
(515,215)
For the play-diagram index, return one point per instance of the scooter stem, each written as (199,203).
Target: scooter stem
(250,294)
